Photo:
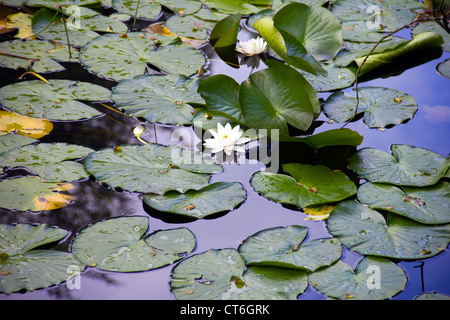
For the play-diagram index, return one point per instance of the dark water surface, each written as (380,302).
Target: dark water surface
(429,129)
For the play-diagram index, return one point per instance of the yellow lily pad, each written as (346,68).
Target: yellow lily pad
(24,125)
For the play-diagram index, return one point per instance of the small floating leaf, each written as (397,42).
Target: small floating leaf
(428,205)
(27,267)
(33,194)
(407,166)
(214,198)
(373,279)
(365,231)
(121,244)
(221,275)
(284,247)
(152,168)
(54,100)
(318,184)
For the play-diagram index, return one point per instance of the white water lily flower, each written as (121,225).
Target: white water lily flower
(226,139)
(252,47)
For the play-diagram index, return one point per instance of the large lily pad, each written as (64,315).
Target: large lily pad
(308,185)
(121,244)
(152,9)
(22,266)
(119,57)
(48,24)
(381,106)
(37,55)
(12,140)
(315,27)
(214,198)
(51,161)
(151,168)
(428,205)
(393,14)
(284,247)
(54,100)
(238,6)
(373,279)
(407,166)
(23,125)
(269,100)
(34,194)
(165,99)
(221,275)
(365,231)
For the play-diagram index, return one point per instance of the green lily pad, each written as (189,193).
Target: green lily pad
(432,296)
(308,185)
(433,26)
(373,279)
(152,9)
(23,267)
(49,160)
(429,205)
(221,94)
(237,6)
(121,244)
(190,26)
(333,137)
(165,99)
(223,38)
(48,24)
(406,166)
(365,231)
(393,14)
(444,68)
(381,106)
(335,78)
(221,275)
(33,194)
(269,100)
(284,247)
(119,57)
(13,140)
(214,198)
(37,55)
(151,168)
(54,100)
(315,27)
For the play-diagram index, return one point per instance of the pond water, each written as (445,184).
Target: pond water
(95,202)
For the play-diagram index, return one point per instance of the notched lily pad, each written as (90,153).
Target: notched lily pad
(221,275)
(429,205)
(366,231)
(53,100)
(34,194)
(124,56)
(122,245)
(407,166)
(284,247)
(381,106)
(307,185)
(373,279)
(51,161)
(165,99)
(151,168)
(23,266)
(214,198)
